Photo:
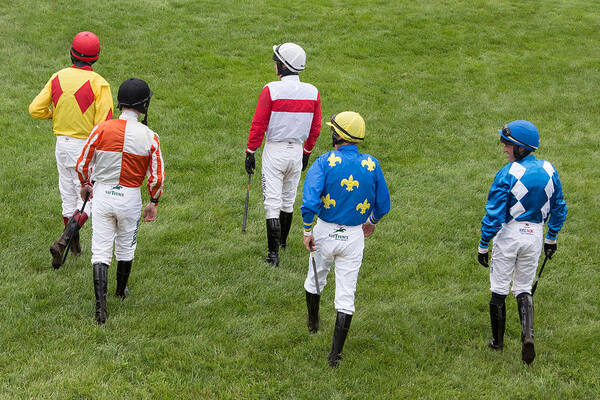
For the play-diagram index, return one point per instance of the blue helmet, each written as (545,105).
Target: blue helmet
(521,133)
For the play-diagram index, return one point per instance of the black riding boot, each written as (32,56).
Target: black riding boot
(525,303)
(123,270)
(285,219)
(273,237)
(342,324)
(58,247)
(100,272)
(312,318)
(498,320)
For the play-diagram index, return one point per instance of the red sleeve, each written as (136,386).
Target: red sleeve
(315,128)
(260,121)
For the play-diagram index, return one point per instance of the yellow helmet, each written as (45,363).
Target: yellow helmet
(349,126)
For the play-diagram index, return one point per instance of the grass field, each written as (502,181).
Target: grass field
(207,318)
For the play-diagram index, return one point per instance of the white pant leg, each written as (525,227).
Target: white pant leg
(272,180)
(342,245)
(128,217)
(280,170)
(104,227)
(528,258)
(67,152)
(291,178)
(502,264)
(514,254)
(115,219)
(347,266)
(323,258)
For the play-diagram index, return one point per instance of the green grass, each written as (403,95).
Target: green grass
(206,317)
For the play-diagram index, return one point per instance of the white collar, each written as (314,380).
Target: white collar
(290,78)
(129,115)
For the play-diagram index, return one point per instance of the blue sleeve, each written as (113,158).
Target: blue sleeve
(495,207)
(558,209)
(314,181)
(382,197)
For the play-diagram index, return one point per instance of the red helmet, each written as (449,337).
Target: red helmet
(85,47)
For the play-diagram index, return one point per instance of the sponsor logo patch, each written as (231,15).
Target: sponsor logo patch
(335,235)
(115,191)
(341,238)
(526,230)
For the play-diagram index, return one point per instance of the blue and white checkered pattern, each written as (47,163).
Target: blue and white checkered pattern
(518,190)
(526,190)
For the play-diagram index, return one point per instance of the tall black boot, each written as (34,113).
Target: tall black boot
(58,247)
(285,219)
(273,236)
(312,318)
(342,324)
(123,270)
(525,303)
(498,320)
(100,272)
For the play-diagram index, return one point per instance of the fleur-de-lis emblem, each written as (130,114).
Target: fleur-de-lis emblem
(350,183)
(363,207)
(369,163)
(327,201)
(333,159)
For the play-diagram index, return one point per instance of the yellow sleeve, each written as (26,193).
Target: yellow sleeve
(104,104)
(40,106)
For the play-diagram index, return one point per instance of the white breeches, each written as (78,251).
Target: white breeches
(515,255)
(281,169)
(116,217)
(67,152)
(343,246)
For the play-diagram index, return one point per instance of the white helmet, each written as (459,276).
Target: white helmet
(291,55)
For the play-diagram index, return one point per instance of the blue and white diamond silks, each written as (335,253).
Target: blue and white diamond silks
(519,190)
(549,189)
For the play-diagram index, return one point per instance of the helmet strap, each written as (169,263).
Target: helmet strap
(336,139)
(282,70)
(79,63)
(145,112)
(143,109)
(520,152)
